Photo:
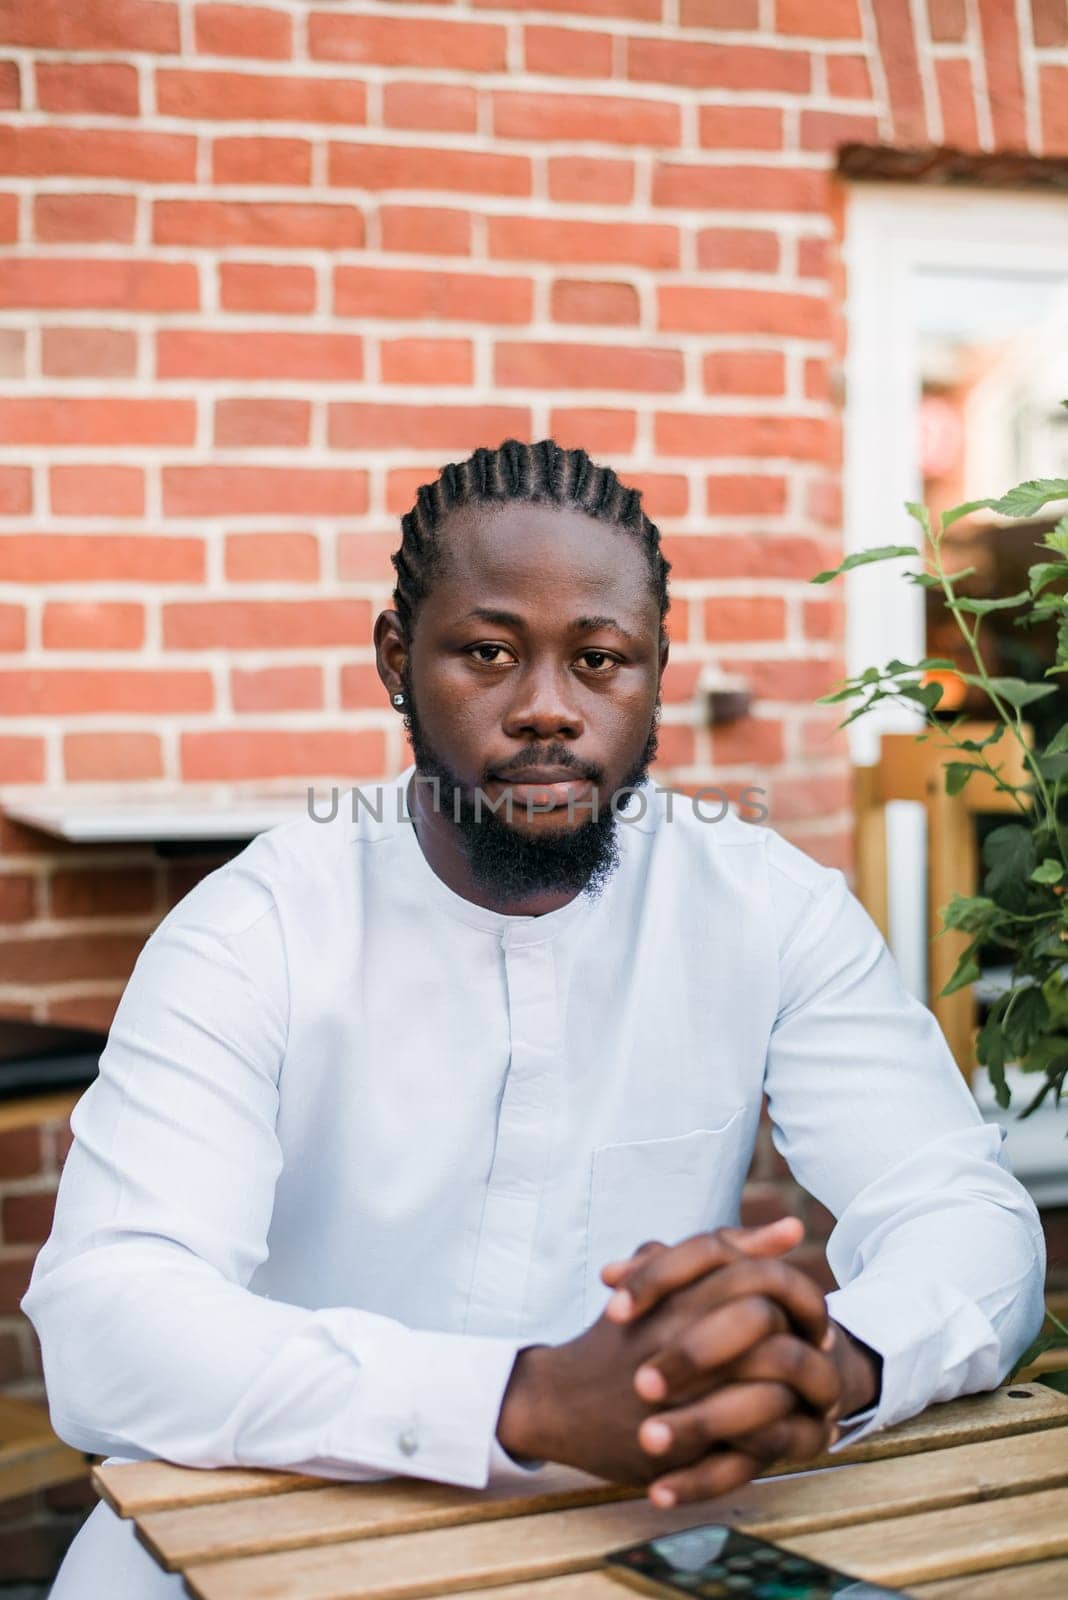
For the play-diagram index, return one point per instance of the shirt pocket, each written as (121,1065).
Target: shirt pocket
(664,1189)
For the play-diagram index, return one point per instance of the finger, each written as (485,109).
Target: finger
(797,1293)
(710,1342)
(741,1409)
(716,1474)
(613,1271)
(793,1438)
(648,1279)
(786,1359)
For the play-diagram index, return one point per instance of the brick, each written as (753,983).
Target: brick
(9,218)
(139,157)
(148,25)
(229,755)
(823,619)
(221,30)
(948,20)
(365,556)
(62,691)
(67,958)
(257,160)
(14,1281)
(402,487)
(738,250)
(97,421)
(817,381)
(40,558)
(732,618)
(80,87)
(364,425)
(10,86)
(481,172)
(275,224)
(608,119)
(679,682)
(631,10)
(956,96)
(93,490)
(427,361)
(663,493)
(829,130)
(271,558)
(27,1218)
(361,687)
(397,42)
(600,179)
(896,44)
(676,746)
(594,303)
(1053,90)
(101,285)
(740,128)
(813,258)
(736,311)
(744,372)
(263,286)
(88,218)
(17,891)
(567,52)
(21,1154)
(561,239)
(808,795)
(587,366)
(596,429)
(102,757)
(448,296)
(721,15)
(800,679)
(259,97)
(16,491)
(256,423)
(1049,22)
(206,353)
(12,627)
(739,188)
(276,688)
(263,491)
(88,353)
(432,107)
(689,64)
(426,230)
(794,438)
(848,78)
(831,19)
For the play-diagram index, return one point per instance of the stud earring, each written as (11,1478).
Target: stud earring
(398,699)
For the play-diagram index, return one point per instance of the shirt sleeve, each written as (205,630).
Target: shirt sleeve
(937,1249)
(152,1343)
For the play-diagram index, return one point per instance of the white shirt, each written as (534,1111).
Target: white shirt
(356,1140)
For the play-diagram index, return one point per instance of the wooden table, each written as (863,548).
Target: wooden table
(979,1486)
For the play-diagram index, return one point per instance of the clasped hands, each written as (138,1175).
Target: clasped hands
(712,1358)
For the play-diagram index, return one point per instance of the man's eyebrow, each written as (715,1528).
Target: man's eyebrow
(509,619)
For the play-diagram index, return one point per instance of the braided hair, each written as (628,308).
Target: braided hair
(542,473)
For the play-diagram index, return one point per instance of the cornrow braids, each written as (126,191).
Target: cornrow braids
(542,473)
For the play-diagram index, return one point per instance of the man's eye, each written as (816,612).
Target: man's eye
(492,648)
(601,661)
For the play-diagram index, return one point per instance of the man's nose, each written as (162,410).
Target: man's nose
(544,704)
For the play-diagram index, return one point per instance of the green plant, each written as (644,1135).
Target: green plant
(1023,907)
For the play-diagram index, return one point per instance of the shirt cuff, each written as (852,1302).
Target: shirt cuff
(927,1341)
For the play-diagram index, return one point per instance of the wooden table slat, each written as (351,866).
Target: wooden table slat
(1039,1580)
(773,1507)
(138,1487)
(941,1544)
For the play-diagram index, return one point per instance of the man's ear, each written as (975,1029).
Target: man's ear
(391,650)
(665,649)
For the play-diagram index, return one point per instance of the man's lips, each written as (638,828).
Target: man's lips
(548,791)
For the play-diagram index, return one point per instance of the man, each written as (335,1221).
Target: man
(414,1140)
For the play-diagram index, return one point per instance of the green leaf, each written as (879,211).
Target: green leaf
(925,694)
(967,972)
(982,744)
(990,1049)
(1009,853)
(925,580)
(1058,745)
(972,913)
(979,608)
(1043,573)
(1056,1380)
(1028,498)
(1016,691)
(958,773)
(1048,871)
(919,513)
(1057,537)
(864,558)
(956,512)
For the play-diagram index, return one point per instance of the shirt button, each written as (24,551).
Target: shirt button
(408,1442)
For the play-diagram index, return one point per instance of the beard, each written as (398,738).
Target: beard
(509,864)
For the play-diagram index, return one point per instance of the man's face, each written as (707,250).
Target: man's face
(535,656)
